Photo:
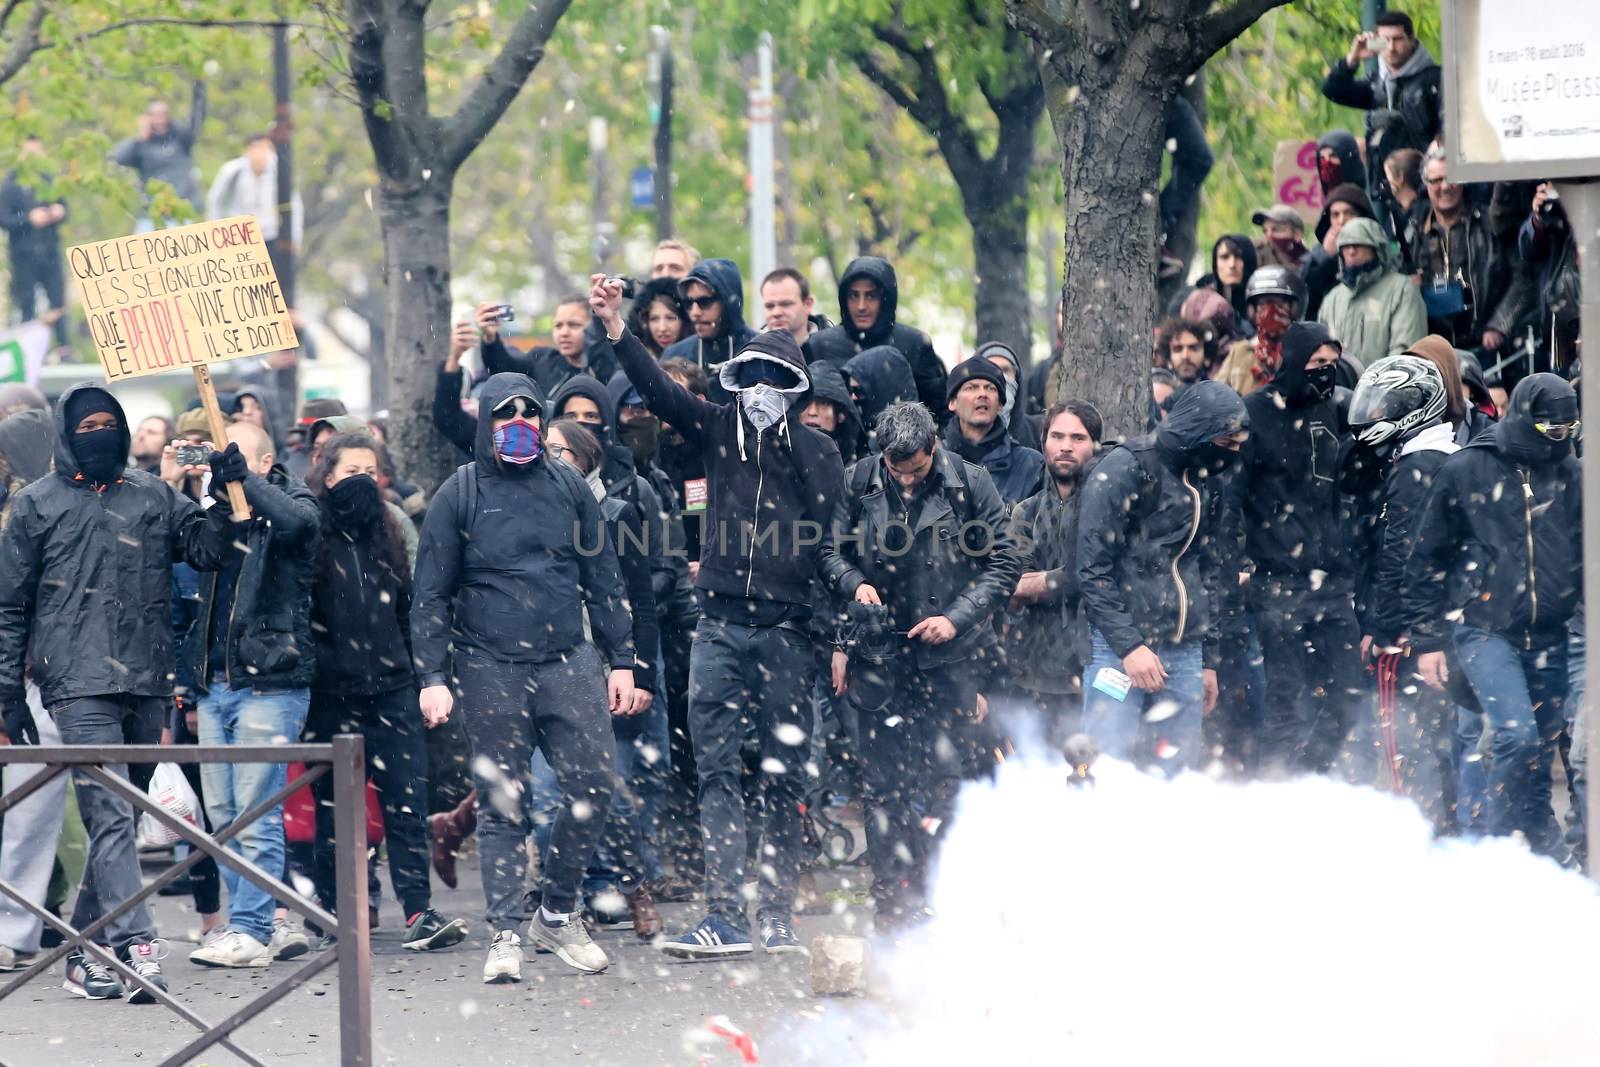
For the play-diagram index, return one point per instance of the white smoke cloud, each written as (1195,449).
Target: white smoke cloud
(1193,923)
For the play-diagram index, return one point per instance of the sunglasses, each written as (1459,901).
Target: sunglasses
(703,302)
(517,406)
(1559,431)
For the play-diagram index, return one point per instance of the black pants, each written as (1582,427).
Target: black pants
(1311,653)
(912,724)
(560,708)
(32,273)
(397,762)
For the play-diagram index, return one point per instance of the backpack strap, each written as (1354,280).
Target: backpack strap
(466,498)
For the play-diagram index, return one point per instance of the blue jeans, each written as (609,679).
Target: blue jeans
(1120,727)
(1472,774)
(245,717)
(1523,692)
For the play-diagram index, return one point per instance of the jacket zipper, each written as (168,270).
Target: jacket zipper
(1533,585)
(750,563)
(361,584)
(1177,579)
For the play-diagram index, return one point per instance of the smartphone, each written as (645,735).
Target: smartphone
(191,455)
(505,313)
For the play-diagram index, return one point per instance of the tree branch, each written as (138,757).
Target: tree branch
(932,108)
(499,85)
(368,73)
(26,44)
(1219,29)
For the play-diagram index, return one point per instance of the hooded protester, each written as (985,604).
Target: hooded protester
(1399,416)
(833,410)
(79,549)
(869,300)
(916,679)
(1151,559)
(365,681)
(1276,299)
(1496,572)
(591,403)
(978,435)
(1401,98)
(514,550)
(1233,261)
(878,377)
(771,483)
(1321,267)
(1339,162)
(1374,311)
(25,444)
(1045,643)
(714,293)
(1481,409)
(1301,595)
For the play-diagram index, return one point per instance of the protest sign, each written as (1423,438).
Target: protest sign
(187,296)
(1294,178)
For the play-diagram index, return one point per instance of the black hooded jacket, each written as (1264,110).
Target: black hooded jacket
(828,383)
(1500,543)
(1234,294)
(361,612)
(722,277)
(510,557)
(86,575)
(838,343)
(884,377)
(617,473)
(1348,149)
(1153,530)
(769,481)
(1287,484)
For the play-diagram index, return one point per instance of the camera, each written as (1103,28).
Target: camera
(504,313)
(629,285)
(192,455)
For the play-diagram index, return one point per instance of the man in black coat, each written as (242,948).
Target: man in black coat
(869,301)
(1497,571)
(513,551)
(925,536)
(1402,98)
(1301,591)
(978,434)
(85,583)
(771,485)
(33,228)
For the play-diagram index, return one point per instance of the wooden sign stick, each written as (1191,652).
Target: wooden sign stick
(219,437)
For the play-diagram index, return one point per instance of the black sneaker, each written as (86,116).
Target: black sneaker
(90,979)
(146,963)
(429,930)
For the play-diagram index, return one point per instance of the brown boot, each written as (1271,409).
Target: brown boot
(646,919)
(449,829)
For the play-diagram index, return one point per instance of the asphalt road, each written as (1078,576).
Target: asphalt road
(433,1008)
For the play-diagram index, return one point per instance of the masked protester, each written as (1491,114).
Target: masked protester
(1151,558)
(1497,572)
(1301,592)
(80,547)
(878,377)
(924,535)
(1374,311)
(513,551)
(365,683)
(1399,418)
(1276,298)
(771,486)
(833,410)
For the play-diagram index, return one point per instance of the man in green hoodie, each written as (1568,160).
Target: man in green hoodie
(1374,311)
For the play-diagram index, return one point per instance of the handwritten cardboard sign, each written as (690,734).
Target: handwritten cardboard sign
(181,297)
(1295,181)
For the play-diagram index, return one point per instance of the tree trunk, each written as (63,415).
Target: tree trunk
(1109,124)
(416,259)
(1000,255)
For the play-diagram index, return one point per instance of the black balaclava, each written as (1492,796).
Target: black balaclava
(101,454)
(1297,385)
(1201,413)
(1538,398)
(355,503)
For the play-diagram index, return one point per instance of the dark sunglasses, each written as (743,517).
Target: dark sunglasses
(517,406)
(703,302)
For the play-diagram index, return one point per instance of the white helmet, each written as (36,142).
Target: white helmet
(1395,398)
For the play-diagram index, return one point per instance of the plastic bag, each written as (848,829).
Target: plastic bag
(170,789)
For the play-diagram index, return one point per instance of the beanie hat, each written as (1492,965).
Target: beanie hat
(85,402)
(977,368)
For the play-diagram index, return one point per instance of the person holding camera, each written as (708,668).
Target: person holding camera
(576,347)
(1401,98)
(924,534)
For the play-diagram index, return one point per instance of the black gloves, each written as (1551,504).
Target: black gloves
(20,727)
(229,465)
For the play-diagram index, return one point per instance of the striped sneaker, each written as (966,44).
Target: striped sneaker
(714,938)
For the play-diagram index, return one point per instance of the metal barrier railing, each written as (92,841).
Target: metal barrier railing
(345,759)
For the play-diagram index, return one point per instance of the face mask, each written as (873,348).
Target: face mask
(1211,458)
(763,406)
(518,442)
(1287,245)
(641,436)
(1011,402)
(1272,320)
(1320,382)
(596,486)
(99,454)
(354,502)
(1331,171)
(1351,276)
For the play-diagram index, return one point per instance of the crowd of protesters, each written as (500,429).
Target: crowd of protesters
(694,582)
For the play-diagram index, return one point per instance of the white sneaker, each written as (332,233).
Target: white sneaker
(505,959)
(232,949)
(570,941)
(288,941)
